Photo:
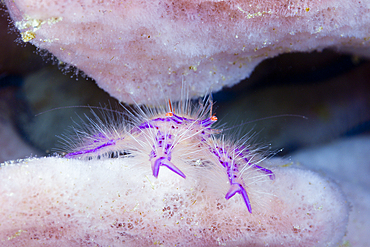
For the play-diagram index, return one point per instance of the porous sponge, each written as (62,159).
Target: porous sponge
(114,202)
(142,51)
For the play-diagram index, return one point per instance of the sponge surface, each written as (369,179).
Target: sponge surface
(142,51)
(56,201)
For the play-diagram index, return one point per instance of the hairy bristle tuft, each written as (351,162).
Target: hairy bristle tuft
(181,137)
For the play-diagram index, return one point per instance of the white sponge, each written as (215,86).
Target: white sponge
(118,202)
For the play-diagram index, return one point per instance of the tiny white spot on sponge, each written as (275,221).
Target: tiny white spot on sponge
(61,202)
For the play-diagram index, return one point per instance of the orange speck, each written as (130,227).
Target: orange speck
(214,118)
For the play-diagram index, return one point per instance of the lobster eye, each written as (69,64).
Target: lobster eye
(213,118)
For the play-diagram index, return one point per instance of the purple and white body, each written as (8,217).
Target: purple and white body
(180,135)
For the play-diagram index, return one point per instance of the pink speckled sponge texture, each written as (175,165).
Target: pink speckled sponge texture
(117,202)
(143,51)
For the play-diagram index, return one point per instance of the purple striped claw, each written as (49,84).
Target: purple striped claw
(162,161)
(238,188)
